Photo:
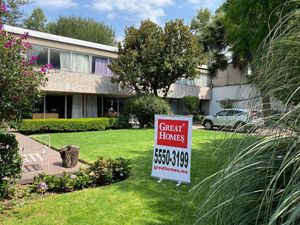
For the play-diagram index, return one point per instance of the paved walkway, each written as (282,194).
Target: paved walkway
(39,158)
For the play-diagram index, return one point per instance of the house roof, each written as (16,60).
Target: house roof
(57,38)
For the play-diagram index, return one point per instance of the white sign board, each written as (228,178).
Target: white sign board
(172,148)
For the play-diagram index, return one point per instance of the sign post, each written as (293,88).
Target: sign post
(172,148)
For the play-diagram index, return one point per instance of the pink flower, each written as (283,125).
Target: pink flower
(48,66)
(24,36)
(27,45)
(43,69)
(1,27)
(33,59)
(9,44)
(3,8)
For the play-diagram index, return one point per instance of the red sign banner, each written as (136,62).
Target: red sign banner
(172,133)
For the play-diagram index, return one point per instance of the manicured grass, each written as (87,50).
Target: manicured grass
(137,200)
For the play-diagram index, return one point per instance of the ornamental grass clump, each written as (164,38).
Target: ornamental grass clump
(261,184)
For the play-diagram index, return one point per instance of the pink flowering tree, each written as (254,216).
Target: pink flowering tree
(20,79)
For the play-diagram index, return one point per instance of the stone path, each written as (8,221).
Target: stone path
(39,158)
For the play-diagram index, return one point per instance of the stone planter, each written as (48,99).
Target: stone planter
(69,155)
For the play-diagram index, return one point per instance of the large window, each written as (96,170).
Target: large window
(100,66)
(41,53)
(80,63)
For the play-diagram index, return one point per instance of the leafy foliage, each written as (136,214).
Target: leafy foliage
(101,172)
(10,161)
(261,184)
(83,29)
(19,81)
(248,23)
(14,13)
(191,103)
(36,21)
(210,33)
(227,103)
(106,171)
(65,125)
(152,58)
(145,107)
(277,63)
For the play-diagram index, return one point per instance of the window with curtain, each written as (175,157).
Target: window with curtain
(100,66)
(80,63)
(65,61)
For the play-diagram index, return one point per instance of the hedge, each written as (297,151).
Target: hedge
(31,126)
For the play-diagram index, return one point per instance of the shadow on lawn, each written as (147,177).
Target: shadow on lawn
(178,205)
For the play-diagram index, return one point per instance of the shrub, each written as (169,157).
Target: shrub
(198,118)
(191,103)
(30,126)
(101,172)
(10,162)
(226,103)
(106,171)
(145,107)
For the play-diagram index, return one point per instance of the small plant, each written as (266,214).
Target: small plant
(106,171)
(226,103)
(101,172)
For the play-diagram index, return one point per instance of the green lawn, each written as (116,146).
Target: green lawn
(137,200)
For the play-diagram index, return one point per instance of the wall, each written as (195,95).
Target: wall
(230,76)
(70,82)
(245,96)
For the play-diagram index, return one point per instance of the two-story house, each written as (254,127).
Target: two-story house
(79,85)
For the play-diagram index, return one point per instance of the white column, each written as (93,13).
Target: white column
(77,106)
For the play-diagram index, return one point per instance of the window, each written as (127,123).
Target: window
(55,58)
(100,66)
(41,53)
(222,113)
(80,63)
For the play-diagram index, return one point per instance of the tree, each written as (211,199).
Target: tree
(210,33)
(152,58)
(83,29)
(19,80)
(14,15)
(247,24)
(36,21)
(242,27)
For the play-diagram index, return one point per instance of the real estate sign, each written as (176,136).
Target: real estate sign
(172,148)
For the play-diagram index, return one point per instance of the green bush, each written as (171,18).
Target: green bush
(145,107)
(101,172)
(30,126)
(106,171)
(191,103)
(10,164)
